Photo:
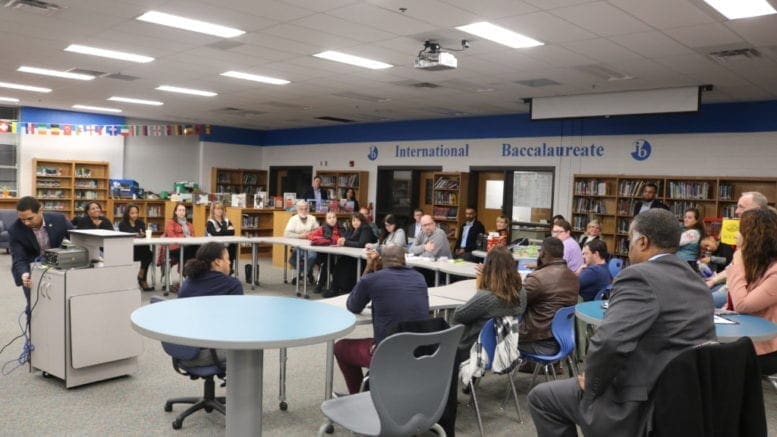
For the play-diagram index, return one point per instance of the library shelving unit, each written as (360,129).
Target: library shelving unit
(336,182)
(151,211)
(197,215)
(449,200)
(252,222)
(65,186)
(611,199)
(236,181)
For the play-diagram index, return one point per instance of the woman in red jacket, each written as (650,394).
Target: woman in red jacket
(180,227)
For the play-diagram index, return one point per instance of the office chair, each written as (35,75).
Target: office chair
(604,293)
(615,266)
(563,329)
(209,401)
(407,393)
(488,341)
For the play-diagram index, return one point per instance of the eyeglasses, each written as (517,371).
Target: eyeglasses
(557,231)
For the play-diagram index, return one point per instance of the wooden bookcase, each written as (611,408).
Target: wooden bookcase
(336,182)
(197,215)
(152,212)
(236,181)
(65,186)
(449,200)
(611,200)
(252,222)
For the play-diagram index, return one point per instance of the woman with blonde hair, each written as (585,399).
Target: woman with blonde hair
(592,231)
(218,225)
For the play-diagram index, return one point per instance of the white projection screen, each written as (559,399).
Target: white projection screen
(685,99)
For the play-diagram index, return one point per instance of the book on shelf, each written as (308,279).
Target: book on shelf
(446,184)
(445,212)
(725,191)
(349,180)
(591,187)
(328,180)
(689,190)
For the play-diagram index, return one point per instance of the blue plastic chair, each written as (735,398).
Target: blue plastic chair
(604,293)
(563,329)
(615,266)
(488,341)
(208,401)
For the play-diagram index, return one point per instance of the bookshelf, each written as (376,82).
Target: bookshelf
(336,182)
(152,212)
(65,186)
(252,222)
(236,181)
(611,200)
(449,200)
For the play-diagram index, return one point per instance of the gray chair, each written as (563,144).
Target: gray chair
(407,392)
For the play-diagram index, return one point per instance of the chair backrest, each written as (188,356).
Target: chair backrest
(603,293)
(563,328)
(409,392)
(615,266)
(177,351)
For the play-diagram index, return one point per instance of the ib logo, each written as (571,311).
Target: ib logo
(642,150)
(373,155)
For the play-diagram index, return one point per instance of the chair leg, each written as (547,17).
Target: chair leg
(515,397)
(438,430)
(188,400)
(535,373)
(572,366)
(477,409)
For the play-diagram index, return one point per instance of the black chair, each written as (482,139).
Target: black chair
(209,401)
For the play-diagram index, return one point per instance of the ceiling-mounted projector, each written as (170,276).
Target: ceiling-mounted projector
(433,58)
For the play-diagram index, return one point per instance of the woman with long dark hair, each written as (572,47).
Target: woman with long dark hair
(752,277)
(132,224)
(93,218)
(207,274)
(344,271)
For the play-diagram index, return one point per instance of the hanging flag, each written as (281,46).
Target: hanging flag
(207,129)
(156,130)
(30,129)
(124,130)
(5,127)
(67,129)
(79,129)
(188,130)
(41,128)
(14,127)
(54,129)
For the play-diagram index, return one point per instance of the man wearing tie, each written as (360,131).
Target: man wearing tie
(34,232)
(316,193)
(468,235)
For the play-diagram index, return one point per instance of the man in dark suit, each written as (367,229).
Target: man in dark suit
(34,232)
(414,228)
(316,193)
(658,308)
(468,235)
(649,200)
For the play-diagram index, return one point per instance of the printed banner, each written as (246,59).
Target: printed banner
(133,130)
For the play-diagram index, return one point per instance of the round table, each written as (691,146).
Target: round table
(244,326)
(757,328)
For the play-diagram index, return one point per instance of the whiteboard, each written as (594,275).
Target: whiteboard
(532,189)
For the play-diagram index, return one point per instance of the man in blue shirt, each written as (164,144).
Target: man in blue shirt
(398,294)
(468,235)
(595,276)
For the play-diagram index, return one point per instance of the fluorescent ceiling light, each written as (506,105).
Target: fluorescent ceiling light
(190,24)
(105,53)
(131,100)
(353,60)
(255,78)
(96,108)
(17,86)
(742,8)
(9,99)
(175,89)
(55,73)
(500,35)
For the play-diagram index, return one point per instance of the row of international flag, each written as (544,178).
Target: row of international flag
(126,130)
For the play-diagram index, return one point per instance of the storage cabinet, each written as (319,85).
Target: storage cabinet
(66,186)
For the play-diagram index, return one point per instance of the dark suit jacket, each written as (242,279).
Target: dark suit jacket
(657,310)
(656,204)
(310,195)
(472,237)
(24,245)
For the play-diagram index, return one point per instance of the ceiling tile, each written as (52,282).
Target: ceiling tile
(665,14)
(601,19)
(494,9)
(704,35)
(545,27)
(758,31)
(600,49)
(339,26)
(431,11)
(651,44)
(382,19)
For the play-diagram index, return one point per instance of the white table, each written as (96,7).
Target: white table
(461,291)
(300,243)
(464,269)
(245,326)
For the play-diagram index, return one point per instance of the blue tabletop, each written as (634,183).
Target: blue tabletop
(757,328)
(242,322)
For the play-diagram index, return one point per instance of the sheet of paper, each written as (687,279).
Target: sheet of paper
(719,320)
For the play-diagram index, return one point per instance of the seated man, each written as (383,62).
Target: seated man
(572,254)
(658,308)
(433,243)
(398,294)
(550,287)
(468,235)
(595,275)
(717,256)
(301,225)
(414,228)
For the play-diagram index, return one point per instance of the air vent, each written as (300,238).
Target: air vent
(734,55)
(287,105)
(119,76)
(238,112)
(536,83)
(9,113)
(335,119)
(360,96)
(225,44)
(605,73)
(34,6)
(413,84)
(94,73)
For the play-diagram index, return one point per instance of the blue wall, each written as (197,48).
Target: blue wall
(41,115)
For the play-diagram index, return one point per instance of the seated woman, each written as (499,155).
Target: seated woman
(391,235)
(344,272)
(218,225)
(592,231)
(752,277)
(693,232)
(326,235)
(207,274)
(93,218)
(502,228)
(132,224)
(180,227)
(350,196)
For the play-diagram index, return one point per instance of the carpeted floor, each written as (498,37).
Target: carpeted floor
(133,405)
